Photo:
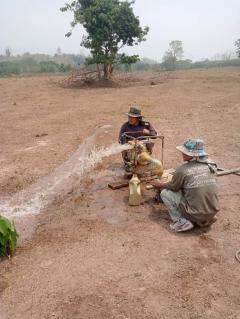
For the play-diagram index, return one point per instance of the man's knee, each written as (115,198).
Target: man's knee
(166,194)
(125,156)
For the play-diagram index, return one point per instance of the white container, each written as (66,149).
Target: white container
(134,191)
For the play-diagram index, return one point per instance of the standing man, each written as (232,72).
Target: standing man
(191,195)
(135,127)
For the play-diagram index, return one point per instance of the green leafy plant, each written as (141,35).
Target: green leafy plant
(8,237)
(110,25)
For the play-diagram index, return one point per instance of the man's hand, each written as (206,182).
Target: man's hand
(157,184)
(146,132)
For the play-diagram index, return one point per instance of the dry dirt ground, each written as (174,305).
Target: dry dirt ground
(90,255)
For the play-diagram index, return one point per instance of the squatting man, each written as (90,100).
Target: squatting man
(191,195)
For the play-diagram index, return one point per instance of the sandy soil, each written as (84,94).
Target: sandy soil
(90,255)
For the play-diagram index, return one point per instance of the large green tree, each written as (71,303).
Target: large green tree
(110,25)
(172,55)
(237,44)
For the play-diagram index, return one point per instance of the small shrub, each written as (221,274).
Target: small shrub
(8,237)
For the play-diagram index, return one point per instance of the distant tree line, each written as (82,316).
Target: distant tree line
(39,63)
(173,59)
(61,62)
(144,65)
(29,65)
(237,45)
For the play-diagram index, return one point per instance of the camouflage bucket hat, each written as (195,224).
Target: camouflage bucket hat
(192,147)
(134,112)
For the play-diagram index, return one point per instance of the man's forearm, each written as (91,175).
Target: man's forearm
(159,185)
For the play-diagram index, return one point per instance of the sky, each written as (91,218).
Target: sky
(205,27)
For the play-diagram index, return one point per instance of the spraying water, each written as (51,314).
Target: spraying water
(37,196)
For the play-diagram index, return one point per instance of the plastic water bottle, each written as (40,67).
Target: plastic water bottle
(134,191)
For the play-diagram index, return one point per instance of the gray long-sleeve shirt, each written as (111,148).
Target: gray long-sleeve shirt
(198,185)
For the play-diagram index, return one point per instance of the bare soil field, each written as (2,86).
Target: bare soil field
(87,254)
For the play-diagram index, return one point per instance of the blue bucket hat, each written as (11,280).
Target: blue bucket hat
(192,147)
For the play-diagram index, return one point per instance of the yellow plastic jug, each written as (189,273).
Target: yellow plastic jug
(134,191)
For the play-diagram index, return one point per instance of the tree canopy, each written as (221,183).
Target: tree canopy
(110,25)
(173,54)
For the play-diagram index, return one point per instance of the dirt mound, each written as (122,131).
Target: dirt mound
(81,79)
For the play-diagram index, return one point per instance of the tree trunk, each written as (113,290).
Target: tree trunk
(99,72)
(106,70)
(111,69)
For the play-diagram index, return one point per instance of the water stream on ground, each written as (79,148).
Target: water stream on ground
(36,197)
